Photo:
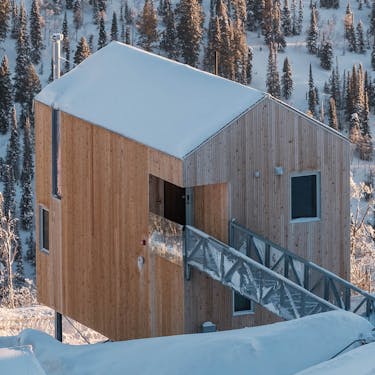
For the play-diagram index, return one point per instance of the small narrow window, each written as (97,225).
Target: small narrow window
(56,185)
(305,197)
(44,229)
(241,305)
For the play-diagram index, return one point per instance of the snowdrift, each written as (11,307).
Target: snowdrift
(281,348)
(360,361)
(19,360)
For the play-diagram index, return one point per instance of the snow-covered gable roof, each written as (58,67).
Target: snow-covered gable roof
(163,104)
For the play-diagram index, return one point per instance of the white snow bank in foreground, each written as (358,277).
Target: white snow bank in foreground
(281,348)
(19,360)
(360,361)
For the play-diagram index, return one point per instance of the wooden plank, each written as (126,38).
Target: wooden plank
(276,135)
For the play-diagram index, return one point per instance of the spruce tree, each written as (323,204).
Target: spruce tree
(114,28)
(169,36)
(334,86)
(326,55)
(372,18)
(102,6)
(66,44)
(147,26)
(5,11)
(82,51)
(69,4)
(95,12)
(332,114)
(77,15)
(286,20)
(128,38)
(128,14)
(300,18)
(13,148)
(286,80)
(226,66)
(312,36)
(32,86)
(277,34)
(36,40)
(31,247)
(312,97)
(26,205)
(240,53)
(102,38)
(273,80)
(27,156)
(360,47)
(354,129)
(349,29)
(189,30)
(6,95)
(9,192)
(373,55)
(267,23)
(22,59)
(15,26)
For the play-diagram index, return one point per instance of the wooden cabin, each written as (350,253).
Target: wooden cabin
(131,146)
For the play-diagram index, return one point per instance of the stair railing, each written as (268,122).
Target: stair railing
(308,275)
(248,277)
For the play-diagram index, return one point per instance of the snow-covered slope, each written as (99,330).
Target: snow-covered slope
(360,361)
(158,102)
(281,348)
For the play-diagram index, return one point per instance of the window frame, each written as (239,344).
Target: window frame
(43,249)
(241,312)
(318,197)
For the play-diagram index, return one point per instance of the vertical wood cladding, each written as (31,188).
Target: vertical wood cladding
(103,231)
(270,135)
(99,229)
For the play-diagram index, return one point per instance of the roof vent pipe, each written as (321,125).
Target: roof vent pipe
(56,39)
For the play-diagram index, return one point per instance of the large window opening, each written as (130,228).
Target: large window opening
(305,197)
(44,229)
(167,200)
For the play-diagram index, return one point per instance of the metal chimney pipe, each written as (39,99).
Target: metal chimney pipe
(56,39)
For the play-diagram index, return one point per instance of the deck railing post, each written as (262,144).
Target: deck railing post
(58,326)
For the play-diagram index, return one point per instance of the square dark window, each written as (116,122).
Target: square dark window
(241,304)
(305,196)
(44,229)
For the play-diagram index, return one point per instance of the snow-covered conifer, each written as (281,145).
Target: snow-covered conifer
(147,26)
(189,30)
(286,80)
(6,95)
(82,51)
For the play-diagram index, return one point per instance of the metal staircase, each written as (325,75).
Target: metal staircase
(284,283)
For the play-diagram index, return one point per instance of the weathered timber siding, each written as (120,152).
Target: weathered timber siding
(102,232)
(205,298)
(269,135)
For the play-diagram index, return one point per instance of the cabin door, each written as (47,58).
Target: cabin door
(211,213)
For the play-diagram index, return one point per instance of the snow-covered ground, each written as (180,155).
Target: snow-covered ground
(13,321)
(281,348)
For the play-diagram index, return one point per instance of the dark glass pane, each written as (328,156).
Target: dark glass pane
(304,197)
(241,303)
(56,154)
(45,229)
